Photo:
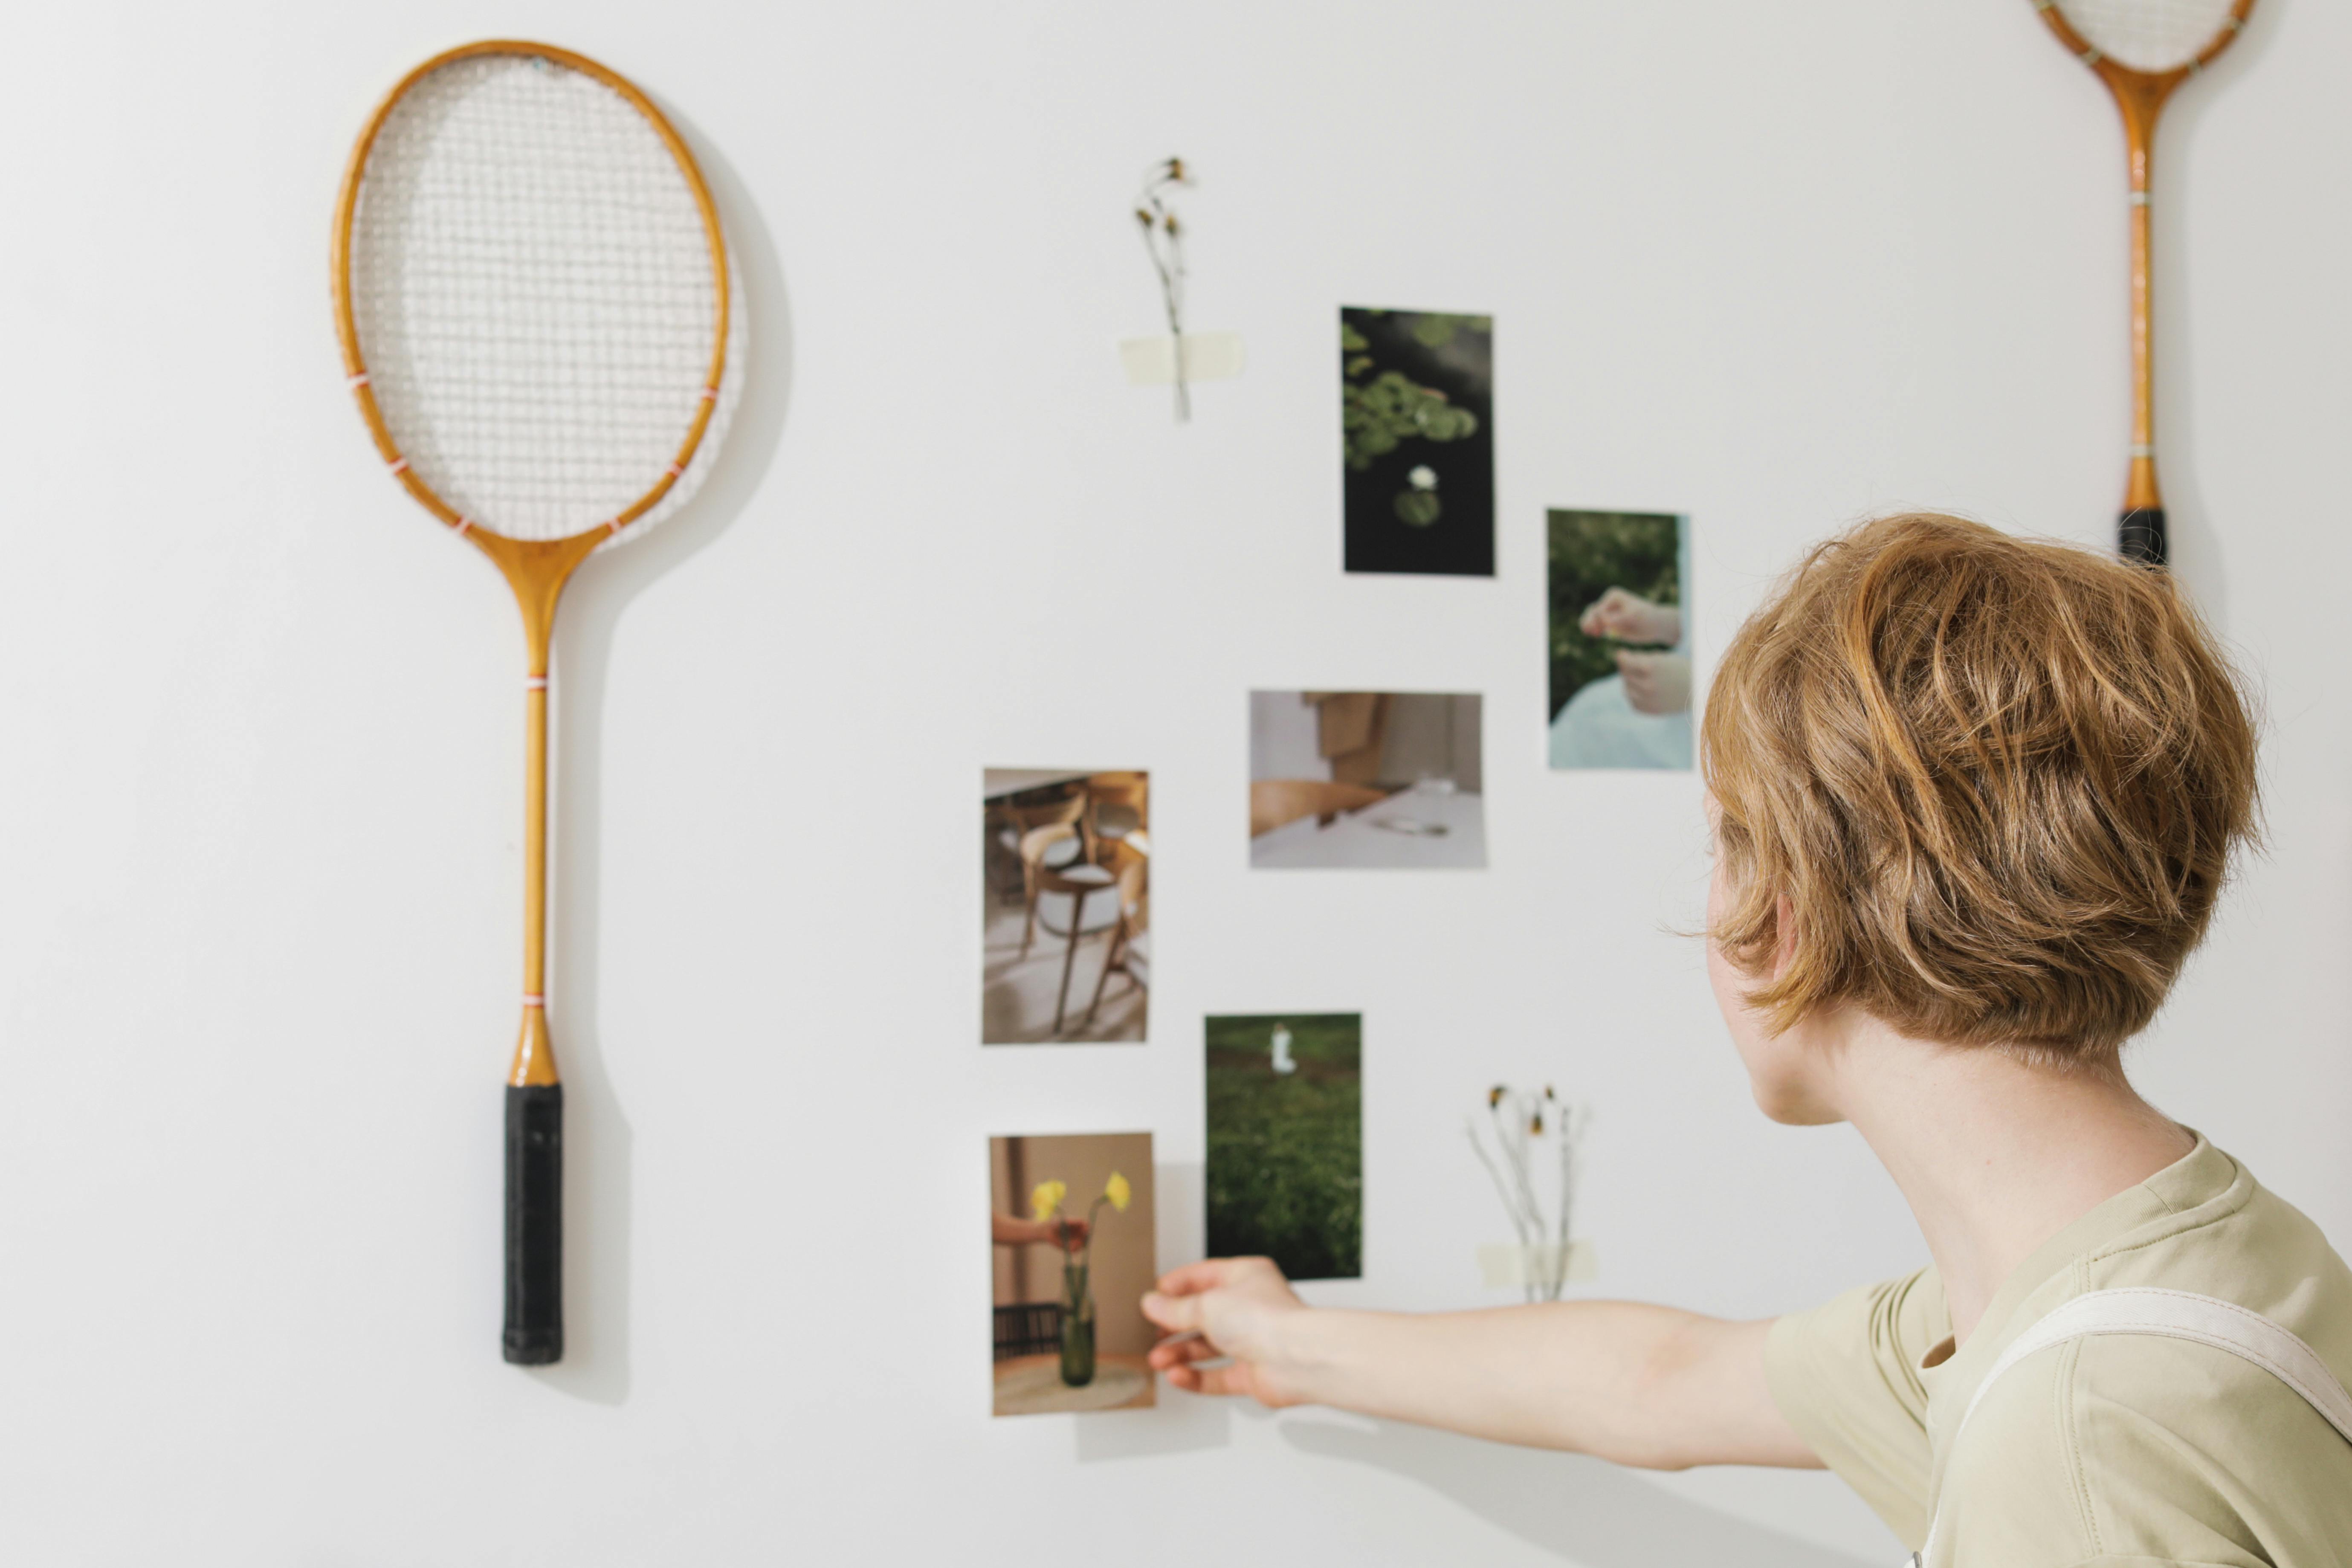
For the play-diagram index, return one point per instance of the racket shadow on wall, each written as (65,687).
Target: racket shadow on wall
(544,328)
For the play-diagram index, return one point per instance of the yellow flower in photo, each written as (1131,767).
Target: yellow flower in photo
(1047,1197)
(1118,1191)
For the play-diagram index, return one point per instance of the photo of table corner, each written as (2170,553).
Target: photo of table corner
(1411,830)
(1033,1386)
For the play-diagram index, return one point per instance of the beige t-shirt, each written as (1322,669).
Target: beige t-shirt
(2121,1449)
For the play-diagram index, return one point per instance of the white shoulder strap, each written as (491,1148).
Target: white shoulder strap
(2180,1315)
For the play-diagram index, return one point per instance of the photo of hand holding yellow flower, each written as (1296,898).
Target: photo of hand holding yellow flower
(1068,1332)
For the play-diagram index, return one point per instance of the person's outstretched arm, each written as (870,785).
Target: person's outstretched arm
(1639,1385)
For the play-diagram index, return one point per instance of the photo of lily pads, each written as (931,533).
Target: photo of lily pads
(1286,1142)
(1417,428)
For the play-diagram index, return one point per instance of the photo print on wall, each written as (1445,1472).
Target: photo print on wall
(1286,1166)
(1065,916)
(1071,1239)
(1620,640)
(1366,779)
(1417,426)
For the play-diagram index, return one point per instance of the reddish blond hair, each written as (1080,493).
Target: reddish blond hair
(1993,784)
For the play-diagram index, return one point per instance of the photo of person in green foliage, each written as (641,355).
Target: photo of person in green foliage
(1620,641)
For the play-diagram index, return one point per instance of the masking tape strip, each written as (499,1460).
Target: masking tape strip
(1208,356)
(1503,1264)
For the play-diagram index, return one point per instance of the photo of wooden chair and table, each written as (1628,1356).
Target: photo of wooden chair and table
(1067,924)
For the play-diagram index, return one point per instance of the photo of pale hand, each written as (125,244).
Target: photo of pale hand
(1629,617)
(1654,682)
(1068,1234)
(1229,1310)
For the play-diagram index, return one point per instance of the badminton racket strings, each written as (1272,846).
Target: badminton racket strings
(531,280)
(2152,35)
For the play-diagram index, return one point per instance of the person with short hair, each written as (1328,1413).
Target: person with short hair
(1972,798)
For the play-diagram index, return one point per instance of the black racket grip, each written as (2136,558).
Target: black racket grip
(2140,533)
(534,1329)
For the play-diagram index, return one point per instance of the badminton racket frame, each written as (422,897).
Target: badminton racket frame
(537,570)
(2140,96)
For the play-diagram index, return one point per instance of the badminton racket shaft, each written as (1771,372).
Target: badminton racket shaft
(2140,531)
(533,1333)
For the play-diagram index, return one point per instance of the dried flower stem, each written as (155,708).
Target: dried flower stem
(1516,1126)
(1164,240)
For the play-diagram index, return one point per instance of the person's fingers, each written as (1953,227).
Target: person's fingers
(1644,681)
(1614,613)
(1178,1314)
(1195,1278)
(1169,1354)
(1233,1377)
(1185,1378)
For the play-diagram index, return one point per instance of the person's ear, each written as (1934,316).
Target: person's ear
(1784,936)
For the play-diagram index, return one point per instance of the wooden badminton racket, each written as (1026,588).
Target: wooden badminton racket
(2143,49)
(531,290)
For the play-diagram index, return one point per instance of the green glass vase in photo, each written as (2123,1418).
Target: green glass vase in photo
(1077,1327)
(1078,1259)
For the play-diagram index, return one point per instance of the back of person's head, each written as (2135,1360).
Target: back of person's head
(1984,789)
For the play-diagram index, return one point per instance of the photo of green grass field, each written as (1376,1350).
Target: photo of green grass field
(1285,1145)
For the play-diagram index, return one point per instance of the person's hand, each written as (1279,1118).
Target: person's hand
(1226,1307)
(1656,682)
(1629,617)
(1066,1233)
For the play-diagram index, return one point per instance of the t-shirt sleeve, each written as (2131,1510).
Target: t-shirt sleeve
(1847,1376)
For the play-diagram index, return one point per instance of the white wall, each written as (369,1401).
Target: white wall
(1771,265)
